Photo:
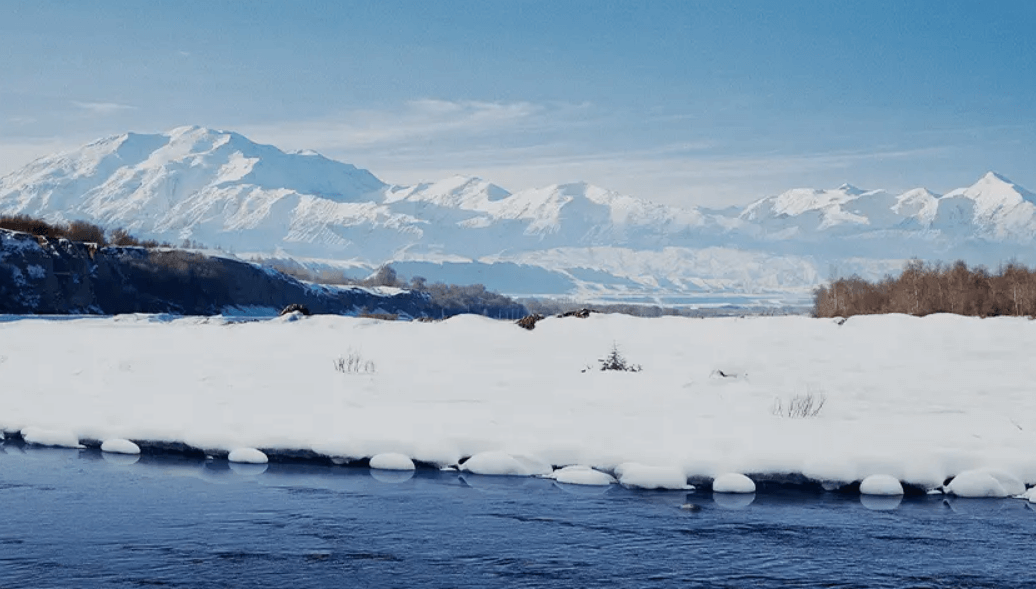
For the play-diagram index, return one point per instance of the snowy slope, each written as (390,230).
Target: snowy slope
(220,189)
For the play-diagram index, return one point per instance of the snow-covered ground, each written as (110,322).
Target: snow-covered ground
(917,399)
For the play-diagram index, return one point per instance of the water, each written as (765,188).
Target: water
(73,518)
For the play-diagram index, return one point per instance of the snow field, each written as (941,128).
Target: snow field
(921,400)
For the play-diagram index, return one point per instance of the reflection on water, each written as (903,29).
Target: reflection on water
(80,518)
(733,500)
(881,502)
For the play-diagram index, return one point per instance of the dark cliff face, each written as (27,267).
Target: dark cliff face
(41,276)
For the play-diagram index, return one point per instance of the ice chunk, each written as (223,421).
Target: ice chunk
(50,437)
(733,482)
(581,475)
(642,476)
(976,483)
(120,446)
(391,461)
(881,484)
(247,456)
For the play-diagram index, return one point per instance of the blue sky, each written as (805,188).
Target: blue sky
(685,102)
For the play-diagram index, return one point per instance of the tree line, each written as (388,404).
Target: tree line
(80,231)
(924,288)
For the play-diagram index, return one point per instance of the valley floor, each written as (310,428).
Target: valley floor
(920,399)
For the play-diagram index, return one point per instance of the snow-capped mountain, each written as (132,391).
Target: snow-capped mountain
(220,189)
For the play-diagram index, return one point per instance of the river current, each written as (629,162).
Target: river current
(80,518)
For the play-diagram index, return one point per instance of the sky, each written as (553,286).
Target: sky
(690,103)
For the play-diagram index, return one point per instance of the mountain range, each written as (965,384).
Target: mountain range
(577,240)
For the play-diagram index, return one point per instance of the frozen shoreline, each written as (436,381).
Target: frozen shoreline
(919,399)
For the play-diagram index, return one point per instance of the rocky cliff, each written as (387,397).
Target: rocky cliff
(58,276)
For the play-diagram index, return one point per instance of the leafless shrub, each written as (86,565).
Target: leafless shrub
(800,406)
(529,321)
(924,288)
(354,363)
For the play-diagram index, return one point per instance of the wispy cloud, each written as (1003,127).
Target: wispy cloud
(666,174)
(102,108)
(418,121)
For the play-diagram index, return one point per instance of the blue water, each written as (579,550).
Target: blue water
(73,518)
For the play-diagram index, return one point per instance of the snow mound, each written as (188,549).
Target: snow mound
(733,482)
(1009,482)
(642,476)
(881,484)
(247,456)
(48,437)
(502,463)
(120,446)
(976,483)
(1029,495)
(581,475)
(391,461)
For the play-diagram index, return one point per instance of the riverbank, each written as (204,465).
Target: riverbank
(919,399)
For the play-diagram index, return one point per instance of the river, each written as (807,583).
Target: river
(80,518)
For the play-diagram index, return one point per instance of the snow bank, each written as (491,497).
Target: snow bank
(247,456)
(391,461)
(581,475)
(50,437)
(120,446)
(733,482)
(922,400)
(881,484)
(500,463)
(974,483)
(642,476)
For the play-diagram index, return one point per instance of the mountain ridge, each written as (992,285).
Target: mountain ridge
(220,188)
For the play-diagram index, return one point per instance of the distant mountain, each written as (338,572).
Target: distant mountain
(221,189)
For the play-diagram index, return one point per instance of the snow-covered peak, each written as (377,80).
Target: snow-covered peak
(994,193)
(850,189)
(463,192)
(919,203)
(826,206)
